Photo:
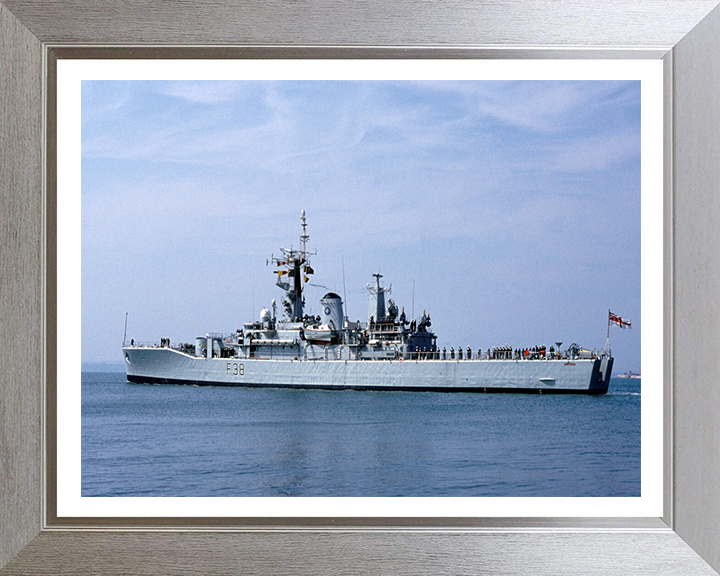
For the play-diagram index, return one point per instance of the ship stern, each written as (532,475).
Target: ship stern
(602,372)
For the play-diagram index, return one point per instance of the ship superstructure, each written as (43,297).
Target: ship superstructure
(388,352)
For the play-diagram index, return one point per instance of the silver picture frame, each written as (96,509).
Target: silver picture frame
(685,34)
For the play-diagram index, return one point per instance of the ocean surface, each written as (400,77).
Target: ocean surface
(166,440)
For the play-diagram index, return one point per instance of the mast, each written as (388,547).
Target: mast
(344,292)
(125,333)
(607,341)
(291,279)
(303,237)
(376,310)
(298,261)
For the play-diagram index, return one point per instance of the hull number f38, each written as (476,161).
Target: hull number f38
(235,369)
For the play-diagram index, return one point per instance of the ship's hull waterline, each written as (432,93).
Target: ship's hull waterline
(169,366)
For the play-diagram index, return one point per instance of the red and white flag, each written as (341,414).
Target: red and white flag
(618,321)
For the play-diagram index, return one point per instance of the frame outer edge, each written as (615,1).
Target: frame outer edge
(696,111)
(20,284)
(541,23)
(79,553)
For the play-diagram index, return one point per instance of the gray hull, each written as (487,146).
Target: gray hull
(169,366)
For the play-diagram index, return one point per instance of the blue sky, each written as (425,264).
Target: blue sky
(513,207)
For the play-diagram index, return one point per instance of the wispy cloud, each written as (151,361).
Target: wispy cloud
(200,92)
(540,106)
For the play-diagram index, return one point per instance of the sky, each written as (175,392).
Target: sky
(508,210)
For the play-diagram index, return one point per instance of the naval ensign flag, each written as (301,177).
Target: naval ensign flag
(618,321)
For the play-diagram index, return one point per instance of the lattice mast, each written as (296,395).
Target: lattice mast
(293,273)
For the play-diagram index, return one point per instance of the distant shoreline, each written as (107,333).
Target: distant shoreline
(103,367)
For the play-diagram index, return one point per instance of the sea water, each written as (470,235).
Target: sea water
(168,440)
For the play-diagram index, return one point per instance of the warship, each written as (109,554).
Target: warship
(388,352)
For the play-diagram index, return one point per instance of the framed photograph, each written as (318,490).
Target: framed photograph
(457,149)
(578,115)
